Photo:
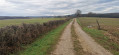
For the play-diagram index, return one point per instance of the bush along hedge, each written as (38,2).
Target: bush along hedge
(13,37)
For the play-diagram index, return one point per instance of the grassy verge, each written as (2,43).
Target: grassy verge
(77,47)
(105,41)
(44,46)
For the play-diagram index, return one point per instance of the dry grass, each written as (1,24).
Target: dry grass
(107,24)
(108,37)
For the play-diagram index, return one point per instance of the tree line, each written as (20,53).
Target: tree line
(91,14)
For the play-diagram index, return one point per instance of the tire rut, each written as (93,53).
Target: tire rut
(88,44)
(65,45)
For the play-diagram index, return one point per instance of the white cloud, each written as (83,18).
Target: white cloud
(55,7)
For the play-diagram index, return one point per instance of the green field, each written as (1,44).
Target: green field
(109,34)
(86,21)
(20,21)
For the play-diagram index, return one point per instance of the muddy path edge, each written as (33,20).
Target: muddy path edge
(65,44)
(89,45)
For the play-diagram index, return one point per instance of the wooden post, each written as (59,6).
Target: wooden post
(98,24)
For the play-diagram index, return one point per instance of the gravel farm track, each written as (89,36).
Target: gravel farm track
(65,44)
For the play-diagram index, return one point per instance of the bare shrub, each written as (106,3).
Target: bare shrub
(12,37)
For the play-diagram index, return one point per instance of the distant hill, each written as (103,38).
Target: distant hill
(12,17)
(27,17)
(108,15)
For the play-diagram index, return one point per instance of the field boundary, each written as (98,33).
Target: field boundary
(46,43)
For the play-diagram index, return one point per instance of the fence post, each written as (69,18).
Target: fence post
(98,24)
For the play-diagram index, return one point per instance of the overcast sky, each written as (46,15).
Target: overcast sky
(55,7)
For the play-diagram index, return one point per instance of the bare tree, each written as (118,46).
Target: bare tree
(78,13)
(91,13)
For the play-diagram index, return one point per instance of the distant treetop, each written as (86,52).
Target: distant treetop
(78,13)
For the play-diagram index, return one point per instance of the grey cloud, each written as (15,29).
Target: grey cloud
(56,7)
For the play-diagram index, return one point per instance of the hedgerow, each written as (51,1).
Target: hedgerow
(13,37)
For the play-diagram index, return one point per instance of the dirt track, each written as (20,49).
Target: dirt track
(88,44)
(65,45)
